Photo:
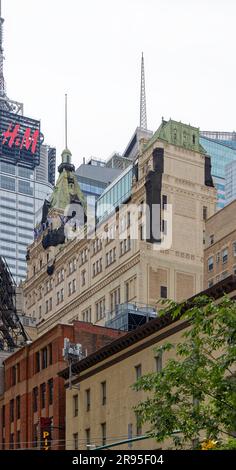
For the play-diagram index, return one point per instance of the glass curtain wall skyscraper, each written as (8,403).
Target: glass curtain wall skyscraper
(22,194)
(222,152)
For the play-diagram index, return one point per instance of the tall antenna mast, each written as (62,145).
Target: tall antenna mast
(2,81)
(143,111)
(66,122)
(5,103)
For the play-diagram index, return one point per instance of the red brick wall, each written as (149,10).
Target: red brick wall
(91,337)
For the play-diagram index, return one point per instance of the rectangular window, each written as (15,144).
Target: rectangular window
(87,435)
(44,358)
(18,407)
(25,187)
(8,183)
(211,239)
(100,309)
(35,435)
(11,441)
(76,441)
(225,255)
(86,315)
(35,399)
(163,292)
(104,433)
(50,391)
(75,405)
(158,360)
(13,372)
(138,425)
(18,440)
(11,411)
(204,213)
(43,395)
(138,371)
(141,231)
(210,263)
(218,257)
(69,288)
(87,399)
(126,292)
(83,278)
(104,392)
(164,202)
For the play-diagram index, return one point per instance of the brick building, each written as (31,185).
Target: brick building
(33,391)
(220,251)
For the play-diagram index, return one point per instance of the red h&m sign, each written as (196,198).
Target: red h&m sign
(20,139)
(12,137)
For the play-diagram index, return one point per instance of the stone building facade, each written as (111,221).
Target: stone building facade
(86,279)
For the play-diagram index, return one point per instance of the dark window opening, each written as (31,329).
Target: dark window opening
(88,404)
(50,391)
(104,392)
(35,399)
(138,370)
(43,395)
(163,292)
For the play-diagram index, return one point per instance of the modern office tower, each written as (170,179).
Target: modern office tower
(94,177)
(22,193)
(227,138)
(221,147)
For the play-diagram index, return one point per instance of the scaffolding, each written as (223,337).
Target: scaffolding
(12,333)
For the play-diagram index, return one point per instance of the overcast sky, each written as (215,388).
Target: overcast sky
(91,49)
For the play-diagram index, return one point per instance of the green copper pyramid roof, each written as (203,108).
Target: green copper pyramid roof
(67,190)
(178,133)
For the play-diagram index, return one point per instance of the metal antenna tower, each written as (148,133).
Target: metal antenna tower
(2,81)
(66,122)
(143,111)
(5,103)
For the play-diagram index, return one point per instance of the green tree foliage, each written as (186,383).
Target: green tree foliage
(194,396)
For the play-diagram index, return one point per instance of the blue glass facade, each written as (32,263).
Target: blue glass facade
(115,194)
(221,155)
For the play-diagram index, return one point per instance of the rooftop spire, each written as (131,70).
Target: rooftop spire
(5,103)
(2,81)
(143,111)
(66,120)
(66,154)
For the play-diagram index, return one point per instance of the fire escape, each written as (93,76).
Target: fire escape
(12,333)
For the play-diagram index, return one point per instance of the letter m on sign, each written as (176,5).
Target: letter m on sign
(29,140)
